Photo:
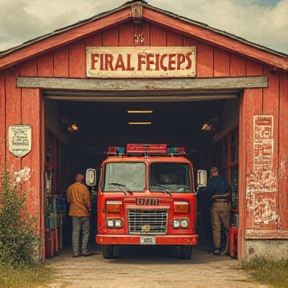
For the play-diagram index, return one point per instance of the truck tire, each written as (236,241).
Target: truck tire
(186,252)
(107,251)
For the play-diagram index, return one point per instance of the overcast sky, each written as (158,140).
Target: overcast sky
(264,22)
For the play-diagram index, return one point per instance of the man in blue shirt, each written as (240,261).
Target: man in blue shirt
(218,191)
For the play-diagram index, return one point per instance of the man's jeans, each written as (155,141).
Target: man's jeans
(79,223)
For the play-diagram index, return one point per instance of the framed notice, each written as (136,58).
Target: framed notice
(19,137)
(140,62)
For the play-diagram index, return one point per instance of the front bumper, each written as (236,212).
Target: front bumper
(136,239)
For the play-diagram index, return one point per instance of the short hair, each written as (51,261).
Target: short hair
(79,177)
(214,170)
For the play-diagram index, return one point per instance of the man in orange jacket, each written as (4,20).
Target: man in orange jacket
(79,199)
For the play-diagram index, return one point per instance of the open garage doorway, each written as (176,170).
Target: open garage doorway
(206,126)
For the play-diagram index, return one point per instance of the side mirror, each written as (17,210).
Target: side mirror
(90,178)
(201,179)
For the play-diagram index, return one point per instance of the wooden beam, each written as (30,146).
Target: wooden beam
(143,84)
(266,234)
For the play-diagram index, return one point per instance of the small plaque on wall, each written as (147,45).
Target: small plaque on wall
(19,139)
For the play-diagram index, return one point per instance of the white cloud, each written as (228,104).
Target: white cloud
(254,20)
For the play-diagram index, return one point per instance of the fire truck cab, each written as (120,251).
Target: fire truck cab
(146,196)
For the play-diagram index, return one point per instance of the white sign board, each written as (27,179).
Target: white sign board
(19,139)
(140,62)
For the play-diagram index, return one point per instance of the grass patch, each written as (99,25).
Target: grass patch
(25,277)
(268,271)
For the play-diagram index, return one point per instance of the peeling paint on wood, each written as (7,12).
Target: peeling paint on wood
(261,189)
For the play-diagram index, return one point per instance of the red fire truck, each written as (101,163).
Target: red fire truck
(146,196)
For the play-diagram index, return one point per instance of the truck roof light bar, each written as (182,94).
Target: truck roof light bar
(173,151)
(115,151)
(146,149)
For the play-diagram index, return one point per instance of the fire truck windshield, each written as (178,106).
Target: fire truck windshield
(174,177)
(129,174)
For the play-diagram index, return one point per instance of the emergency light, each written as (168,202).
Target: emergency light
(146,149)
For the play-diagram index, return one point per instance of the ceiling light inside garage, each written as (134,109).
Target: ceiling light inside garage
(139,111)
(139,123)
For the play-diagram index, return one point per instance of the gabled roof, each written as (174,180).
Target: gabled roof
(124,13)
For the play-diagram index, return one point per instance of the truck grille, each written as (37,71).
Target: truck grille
(147,221)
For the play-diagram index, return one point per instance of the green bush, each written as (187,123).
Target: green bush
(17,227)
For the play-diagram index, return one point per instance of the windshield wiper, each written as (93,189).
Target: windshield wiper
(163,189)
(121,187)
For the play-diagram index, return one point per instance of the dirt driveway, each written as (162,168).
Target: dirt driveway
(143,267)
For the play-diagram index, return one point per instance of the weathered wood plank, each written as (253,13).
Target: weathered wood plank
(30,116)
(94,40)
(145,29)
(110,37)
(283,148)
(13,116)
(157,36)
(142,85)
(174,39)
(237,66)
(221,63)
(271,106)
(3,131)
(266,234)
(204,60)
(45,65)
(61,62)
(77,59)
(126,34)
(29,68)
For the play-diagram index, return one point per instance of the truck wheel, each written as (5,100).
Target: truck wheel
(186,252)
(107,251)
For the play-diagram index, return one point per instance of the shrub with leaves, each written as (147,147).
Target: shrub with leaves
(17,227)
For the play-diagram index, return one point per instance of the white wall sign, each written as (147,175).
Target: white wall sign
(137,62)
(19,139)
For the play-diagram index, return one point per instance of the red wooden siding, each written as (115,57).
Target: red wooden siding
(60,63)
(221,63)
(237,66)
(31,116)
(283,148)
(126,34)
(77,60)
(13,114)
(3,131)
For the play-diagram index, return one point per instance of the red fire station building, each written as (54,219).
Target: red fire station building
(64,98)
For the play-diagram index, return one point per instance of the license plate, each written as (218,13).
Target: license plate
(147,240)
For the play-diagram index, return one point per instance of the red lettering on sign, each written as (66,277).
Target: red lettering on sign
(172,62)
(120,63)
(94,60)
(129,67)
(109,62)
(189,60)
(180,60)
(162,66)
(150,61)
(141,61)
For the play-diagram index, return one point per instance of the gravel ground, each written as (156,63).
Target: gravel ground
(148,266)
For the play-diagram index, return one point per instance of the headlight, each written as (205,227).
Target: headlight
(184,223)
(114,223)
(176,223)
(180,223)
